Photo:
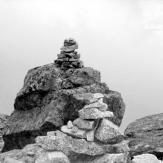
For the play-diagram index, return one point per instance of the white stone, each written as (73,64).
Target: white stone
(69,124)
(98,95)
(90,135)
(145,158)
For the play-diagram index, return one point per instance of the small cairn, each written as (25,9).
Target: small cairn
(93,123)
(69,57)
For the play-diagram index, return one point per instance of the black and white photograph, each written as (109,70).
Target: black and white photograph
(81,81)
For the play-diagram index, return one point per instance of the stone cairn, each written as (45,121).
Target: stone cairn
(93,123)
(68,57)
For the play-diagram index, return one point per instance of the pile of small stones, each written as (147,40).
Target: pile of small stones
(93,123)
(68,57)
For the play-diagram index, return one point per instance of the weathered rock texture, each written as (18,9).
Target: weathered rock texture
(145,135)
(56,93)
(3,121)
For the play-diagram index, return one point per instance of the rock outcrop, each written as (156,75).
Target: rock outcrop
(65,96)
(3,121)
(65,114)
(145,135)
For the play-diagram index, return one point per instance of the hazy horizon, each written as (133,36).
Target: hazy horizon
(123,39)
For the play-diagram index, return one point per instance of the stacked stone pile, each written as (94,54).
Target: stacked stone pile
(69,57)
(93,123)
(65,114)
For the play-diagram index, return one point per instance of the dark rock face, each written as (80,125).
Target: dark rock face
(49,100)
(145,135)
(3,120)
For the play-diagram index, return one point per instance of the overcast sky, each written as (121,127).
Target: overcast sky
(123,39)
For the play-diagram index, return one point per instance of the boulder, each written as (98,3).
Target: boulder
(107,132)
(146,135)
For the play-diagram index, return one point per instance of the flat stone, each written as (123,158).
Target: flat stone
(94,113)
(61,55)
(11,160)
(52,157)
(83,124)
(58,141)
(69,48)
(107,132)
(99,104)
(74,131)
(98,95)
(86,97)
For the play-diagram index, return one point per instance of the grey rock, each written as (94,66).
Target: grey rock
(3,122)
(11,160)
(69,48)
(74,131)
(116,105)
(70,146)
(99,104)
(107,158)
(84,124)
(52,157)
(113,100)
(113,158)
(94,113)
(107,132)
(46,102)
(145,135)
(27,155)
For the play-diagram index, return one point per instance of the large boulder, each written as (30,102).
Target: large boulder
(145,135)
(48,100)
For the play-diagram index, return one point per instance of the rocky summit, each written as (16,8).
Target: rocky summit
(65,114)
(63,107)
